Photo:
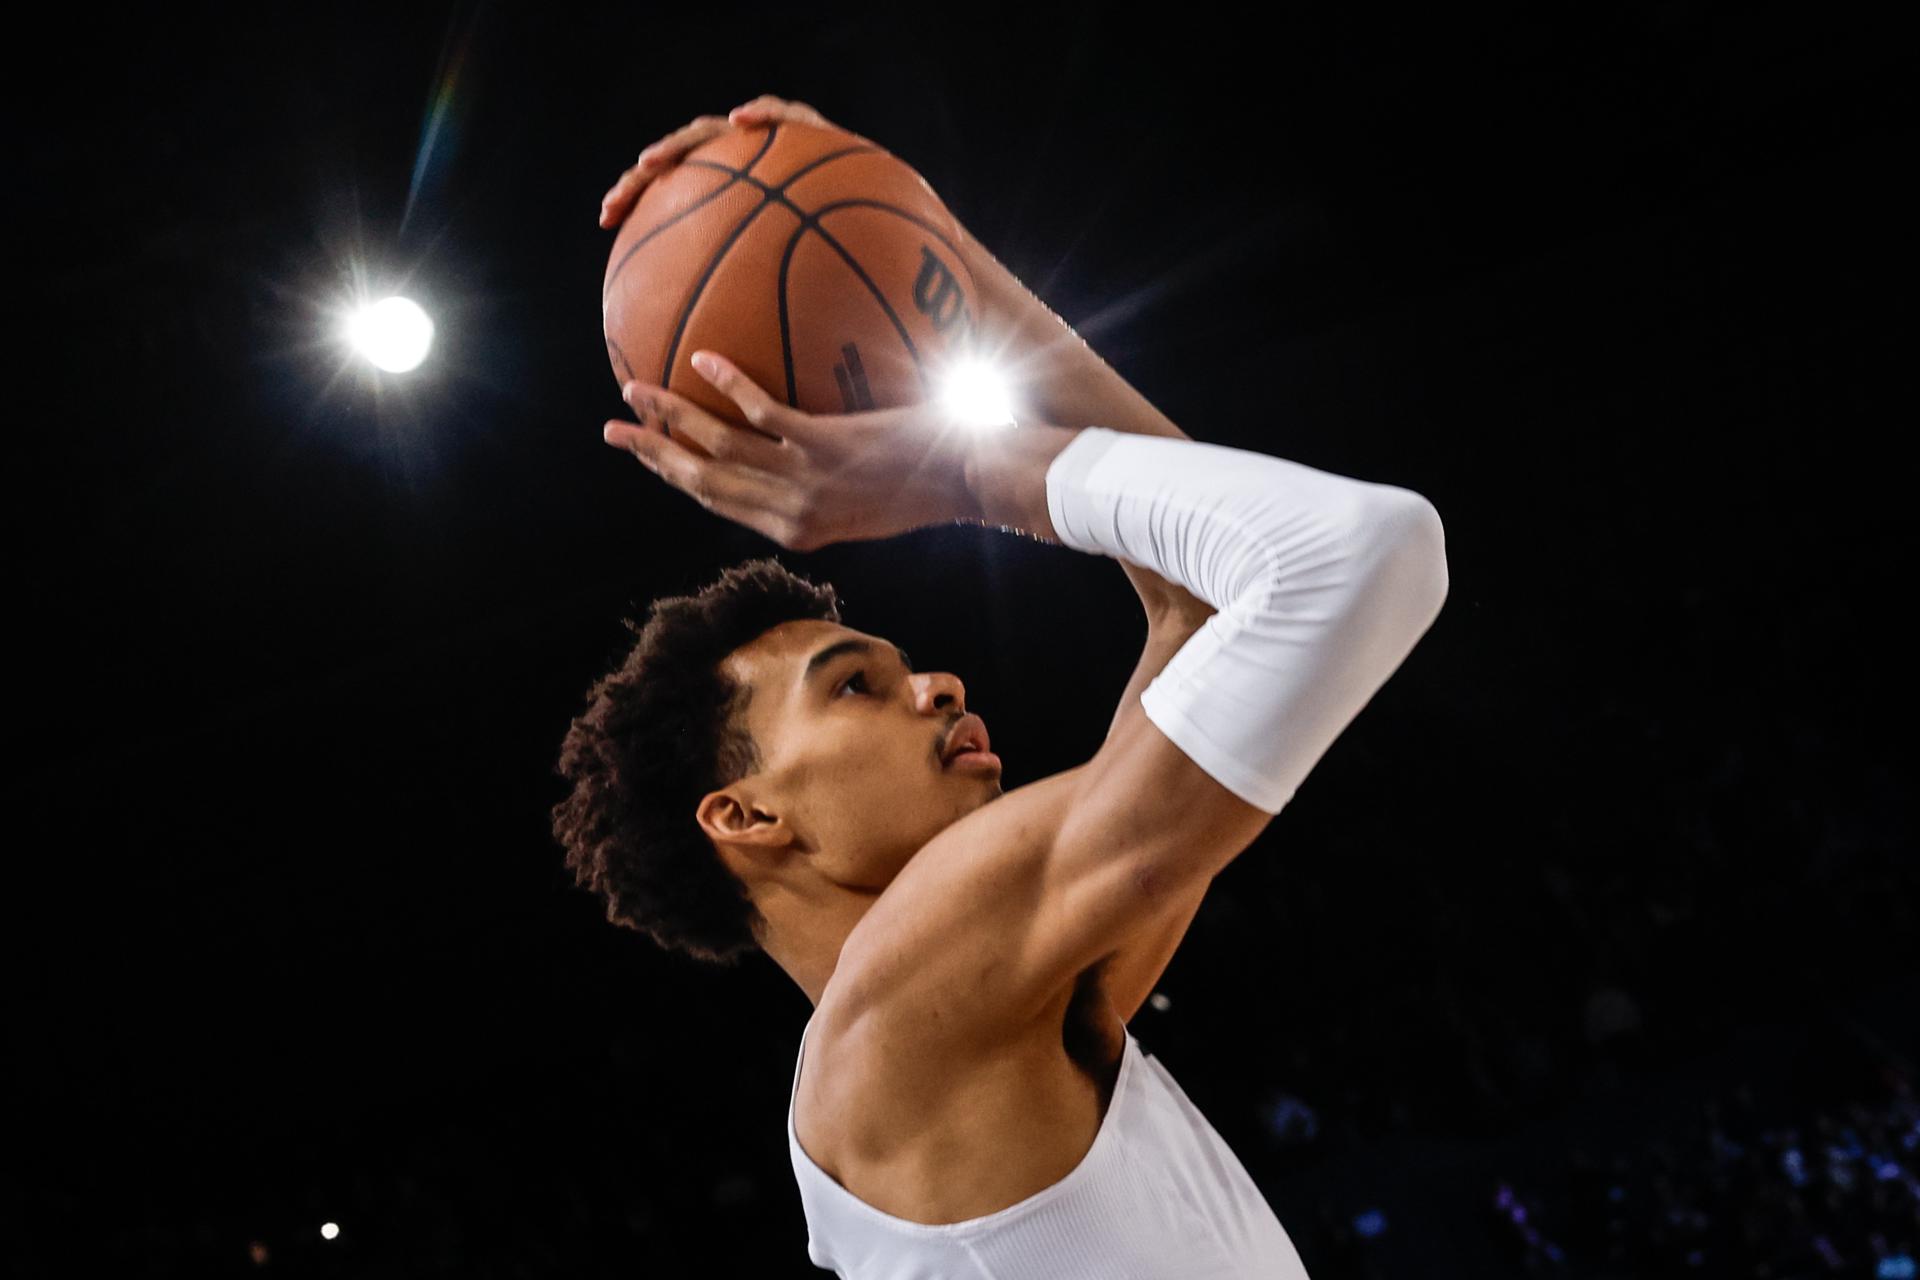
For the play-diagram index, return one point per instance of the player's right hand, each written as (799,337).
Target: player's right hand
(664,154)
(803,480)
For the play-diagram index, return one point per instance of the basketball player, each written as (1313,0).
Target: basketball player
(967,1099)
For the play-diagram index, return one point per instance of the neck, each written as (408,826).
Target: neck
(805,936)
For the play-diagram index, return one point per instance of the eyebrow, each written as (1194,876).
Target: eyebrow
(838,647)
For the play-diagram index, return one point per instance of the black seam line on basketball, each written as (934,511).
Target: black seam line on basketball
(786,333)
(807,224)
(809,220)
(641,243)
(621,356)
(713,263)
(707,199)
(779,194)
(768,196)
(914,218)
(792,178)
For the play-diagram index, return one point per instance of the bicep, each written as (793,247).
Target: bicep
(1147,831)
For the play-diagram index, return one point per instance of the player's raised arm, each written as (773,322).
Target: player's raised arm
(1323,585)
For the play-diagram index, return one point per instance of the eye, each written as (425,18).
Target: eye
(860,676)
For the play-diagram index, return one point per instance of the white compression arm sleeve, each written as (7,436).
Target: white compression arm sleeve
(1323,584)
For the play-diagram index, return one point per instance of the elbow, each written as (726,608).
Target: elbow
(1411,547)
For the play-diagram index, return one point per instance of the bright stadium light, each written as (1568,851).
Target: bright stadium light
(393,334)
(330,1231)
(976,394)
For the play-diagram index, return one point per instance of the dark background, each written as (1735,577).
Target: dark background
(1621,859)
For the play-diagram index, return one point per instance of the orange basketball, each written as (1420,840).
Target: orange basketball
(825,268)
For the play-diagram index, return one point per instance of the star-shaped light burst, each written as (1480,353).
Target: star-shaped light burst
(393,334)
(975,392)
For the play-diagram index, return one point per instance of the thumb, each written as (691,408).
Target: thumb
(759,408)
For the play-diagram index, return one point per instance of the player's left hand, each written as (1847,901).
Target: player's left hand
(803,480)
(664,154)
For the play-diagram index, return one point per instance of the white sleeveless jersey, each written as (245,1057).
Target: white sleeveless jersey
(1158,1195)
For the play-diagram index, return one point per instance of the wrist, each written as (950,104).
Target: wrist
(1004,474)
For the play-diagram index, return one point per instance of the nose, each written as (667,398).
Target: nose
(939,691)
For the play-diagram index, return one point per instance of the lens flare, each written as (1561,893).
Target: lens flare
(393,334)
(976,394)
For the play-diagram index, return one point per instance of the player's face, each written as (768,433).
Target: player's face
(850,742)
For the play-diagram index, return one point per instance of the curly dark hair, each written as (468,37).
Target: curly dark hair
(660,731)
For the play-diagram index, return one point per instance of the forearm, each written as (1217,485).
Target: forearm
(1063,378)
(1167,631)
(1067,382)
(1005,476)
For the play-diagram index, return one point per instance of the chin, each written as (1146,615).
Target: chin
(988,794)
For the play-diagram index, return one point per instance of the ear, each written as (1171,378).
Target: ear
(731,817)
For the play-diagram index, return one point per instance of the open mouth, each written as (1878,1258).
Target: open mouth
(968,742)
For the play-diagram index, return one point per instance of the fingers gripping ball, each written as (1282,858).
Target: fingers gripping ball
(825,268)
